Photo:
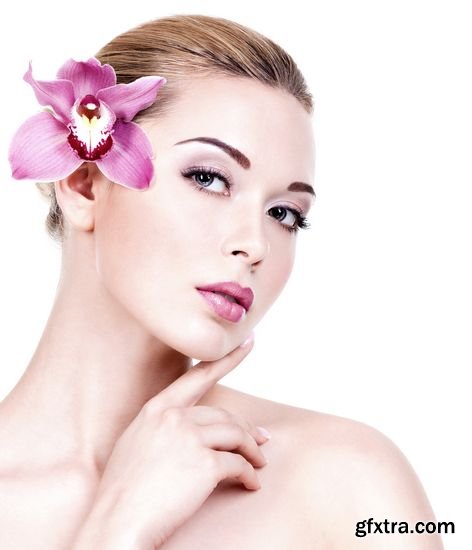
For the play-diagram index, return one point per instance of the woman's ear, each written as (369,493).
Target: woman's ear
(76,195)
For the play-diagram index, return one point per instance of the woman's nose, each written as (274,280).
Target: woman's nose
(247,239)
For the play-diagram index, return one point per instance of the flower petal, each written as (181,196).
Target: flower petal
(87,77)
(128,162)
(127,99)
(39,150)
(59,94)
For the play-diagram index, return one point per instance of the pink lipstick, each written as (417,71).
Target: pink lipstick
(228,299)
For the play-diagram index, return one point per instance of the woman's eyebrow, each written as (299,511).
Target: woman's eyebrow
(243,161)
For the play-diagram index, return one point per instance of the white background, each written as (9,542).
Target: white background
(375,323)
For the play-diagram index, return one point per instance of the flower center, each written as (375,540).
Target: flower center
(91,128)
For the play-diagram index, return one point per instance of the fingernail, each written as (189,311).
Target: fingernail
(248,340)
(264,432)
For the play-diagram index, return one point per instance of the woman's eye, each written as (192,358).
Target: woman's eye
(204,178)
(283,213)
(296,219)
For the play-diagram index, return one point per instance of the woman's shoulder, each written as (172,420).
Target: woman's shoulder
(310,429)
(344,471)
(317,436)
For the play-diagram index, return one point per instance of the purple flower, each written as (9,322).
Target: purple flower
(90,121)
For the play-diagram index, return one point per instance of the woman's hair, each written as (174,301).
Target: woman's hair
(182,48)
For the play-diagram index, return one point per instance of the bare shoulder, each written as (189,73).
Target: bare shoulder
(369,484)
(344,472)
(352,472)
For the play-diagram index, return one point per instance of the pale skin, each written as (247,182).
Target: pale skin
(127,319)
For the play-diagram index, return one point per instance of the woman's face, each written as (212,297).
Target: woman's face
(187,230)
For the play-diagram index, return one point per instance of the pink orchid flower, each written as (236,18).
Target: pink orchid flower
(90,121)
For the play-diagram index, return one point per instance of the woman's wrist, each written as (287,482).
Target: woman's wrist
(107,528)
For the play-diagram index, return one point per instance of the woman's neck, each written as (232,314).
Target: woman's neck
(91,373)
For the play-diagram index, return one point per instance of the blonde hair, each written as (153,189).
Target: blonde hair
(182,48)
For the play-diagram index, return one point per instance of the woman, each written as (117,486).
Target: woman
(110,439)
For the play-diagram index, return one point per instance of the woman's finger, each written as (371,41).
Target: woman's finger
(198,380)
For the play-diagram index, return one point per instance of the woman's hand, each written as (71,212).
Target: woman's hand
(169,460)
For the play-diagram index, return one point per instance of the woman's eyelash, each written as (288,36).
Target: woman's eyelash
(300,223)
(199,170)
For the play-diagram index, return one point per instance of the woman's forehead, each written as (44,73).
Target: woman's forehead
(233,97)
(253,117)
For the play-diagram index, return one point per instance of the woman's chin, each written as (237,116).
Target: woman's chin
(202,338)
(208,347)
(208,356)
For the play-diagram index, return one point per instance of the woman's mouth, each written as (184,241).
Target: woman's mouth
(224,305)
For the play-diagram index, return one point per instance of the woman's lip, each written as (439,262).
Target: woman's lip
(244,296)
(230,311)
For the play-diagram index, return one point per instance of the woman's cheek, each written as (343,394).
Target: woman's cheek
(278,268)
